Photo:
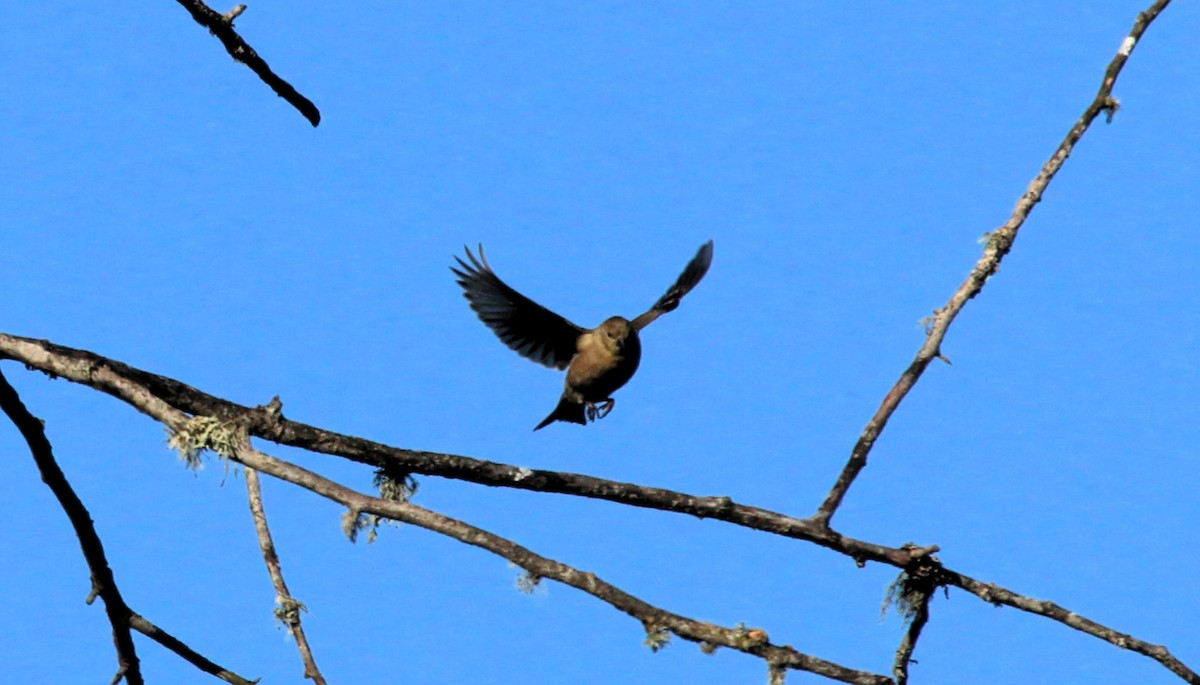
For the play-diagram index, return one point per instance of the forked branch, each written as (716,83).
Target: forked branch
(104,585)
(149,393)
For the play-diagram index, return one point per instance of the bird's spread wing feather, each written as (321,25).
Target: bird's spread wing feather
(687,280)
(527,327)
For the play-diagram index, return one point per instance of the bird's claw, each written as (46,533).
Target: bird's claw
(595,412)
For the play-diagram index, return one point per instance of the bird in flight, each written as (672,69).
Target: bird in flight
(598,360)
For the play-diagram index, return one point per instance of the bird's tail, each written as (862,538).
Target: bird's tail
(565,411)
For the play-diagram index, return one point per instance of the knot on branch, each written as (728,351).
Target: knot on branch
(748,638)
(272,409)
(1110,107)
(265,419)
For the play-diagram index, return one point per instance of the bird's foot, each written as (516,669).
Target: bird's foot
(595,412)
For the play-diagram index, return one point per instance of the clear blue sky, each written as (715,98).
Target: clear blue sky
(161,206)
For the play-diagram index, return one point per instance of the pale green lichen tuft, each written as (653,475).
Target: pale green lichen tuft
(657,637)
(927,322)
(394,485)
(528,582)
(288,610)
(206,433)
(352,522)
(907,595)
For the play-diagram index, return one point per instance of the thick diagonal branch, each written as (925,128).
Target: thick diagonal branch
(120,615)
(103,583)
(81,366)
(999,244)
(221,26)
(143,390)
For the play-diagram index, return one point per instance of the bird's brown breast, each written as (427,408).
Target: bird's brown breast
(599,368)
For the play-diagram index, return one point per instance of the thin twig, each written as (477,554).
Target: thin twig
(909,643)
(910,595)
(221,26)
(289,608)
(103,583)
(999,243)
(919,616)
(149,393)
(1001,596)
(162,637)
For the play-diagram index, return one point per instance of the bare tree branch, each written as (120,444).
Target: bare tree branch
(179,406)
(652,618)
(909,643)
(999,243)
(103,583)
(150,394)
(998,595)
(290,608)
(221,26)
(162,637)
(911,594)
(80,366)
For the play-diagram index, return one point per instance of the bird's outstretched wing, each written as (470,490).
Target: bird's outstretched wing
(691,275)
(527,327)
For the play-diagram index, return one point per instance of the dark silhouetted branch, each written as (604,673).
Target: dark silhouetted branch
(162,637)
(999,243)
(103,583)
(221,26)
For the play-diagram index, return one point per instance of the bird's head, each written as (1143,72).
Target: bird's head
(615,331)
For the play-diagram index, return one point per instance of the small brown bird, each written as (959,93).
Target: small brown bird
(598,361)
